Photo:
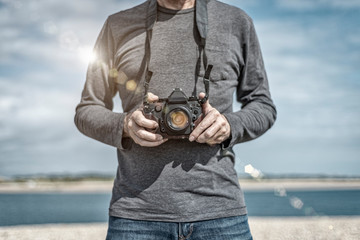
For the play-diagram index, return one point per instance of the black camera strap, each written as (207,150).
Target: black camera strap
(148,73)
(206,83)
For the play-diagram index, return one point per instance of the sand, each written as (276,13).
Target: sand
(246,184)
(339,228)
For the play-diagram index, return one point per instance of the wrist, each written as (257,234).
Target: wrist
(126,127)
(227,126)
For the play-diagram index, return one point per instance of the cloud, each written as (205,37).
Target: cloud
(312,66)
(37,133)
(43,44)
(311,72)
(316,4)
(340,3)
(244,3)
(52,31)
(307,83)
(298,5)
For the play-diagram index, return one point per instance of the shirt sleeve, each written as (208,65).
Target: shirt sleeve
(94,116)
(258,112)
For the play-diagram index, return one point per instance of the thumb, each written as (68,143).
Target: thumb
(206,106)
(152,97)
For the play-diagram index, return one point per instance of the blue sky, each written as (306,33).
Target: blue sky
(312,55)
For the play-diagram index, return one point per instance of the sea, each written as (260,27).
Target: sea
(44,208)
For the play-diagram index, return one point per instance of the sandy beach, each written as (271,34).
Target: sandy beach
(323,228)
(263,228)
(246,184)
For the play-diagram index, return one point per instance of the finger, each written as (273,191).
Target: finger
(142,121)
(210,133)
(152,97)
(209,119)
(222,134)
(218,128)
(206,106)
(218,138)
(143,134)
(202,95)
(144,143)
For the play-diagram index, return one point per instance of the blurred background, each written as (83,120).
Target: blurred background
(311,50)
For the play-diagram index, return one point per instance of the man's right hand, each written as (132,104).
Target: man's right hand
(137,127)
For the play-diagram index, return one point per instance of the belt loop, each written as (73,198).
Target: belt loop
(181,236)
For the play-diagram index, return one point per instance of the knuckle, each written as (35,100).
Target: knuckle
(213,110)
(195,134)
(132,123)
(140,134)
(141,122)
(154,137)
(200,139)
(134,118)
(207,135)
(134,114)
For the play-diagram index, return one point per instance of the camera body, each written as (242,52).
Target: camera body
(176,115)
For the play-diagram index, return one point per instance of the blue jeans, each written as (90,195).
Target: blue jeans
(231,228)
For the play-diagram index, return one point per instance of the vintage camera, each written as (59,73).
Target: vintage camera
(176,115)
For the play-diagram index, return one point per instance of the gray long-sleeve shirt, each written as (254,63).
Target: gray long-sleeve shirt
(178,180)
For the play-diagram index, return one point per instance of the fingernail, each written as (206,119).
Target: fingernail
(191,138)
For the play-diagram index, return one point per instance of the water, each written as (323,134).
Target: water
(42,208)
(304,203)
(18,209)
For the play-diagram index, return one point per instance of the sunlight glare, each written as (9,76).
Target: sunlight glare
(86,54)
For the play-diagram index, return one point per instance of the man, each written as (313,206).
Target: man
(169,188)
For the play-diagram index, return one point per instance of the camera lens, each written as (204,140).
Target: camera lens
(178,119)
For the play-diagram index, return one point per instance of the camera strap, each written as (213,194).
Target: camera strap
(206,83)
(148,73)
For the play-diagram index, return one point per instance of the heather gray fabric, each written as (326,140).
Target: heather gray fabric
(177,181)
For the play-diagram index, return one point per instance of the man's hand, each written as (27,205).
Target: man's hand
(213,129)
(137,127)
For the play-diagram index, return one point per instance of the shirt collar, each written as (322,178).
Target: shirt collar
(201,16)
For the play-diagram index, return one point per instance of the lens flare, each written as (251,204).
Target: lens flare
(255,173)
(131,85)
(120,77)
(296,202)
(69,41)
(280,191)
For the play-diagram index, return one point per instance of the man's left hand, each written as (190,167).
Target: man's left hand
(213,129)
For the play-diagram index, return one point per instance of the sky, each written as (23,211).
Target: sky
(311,50)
